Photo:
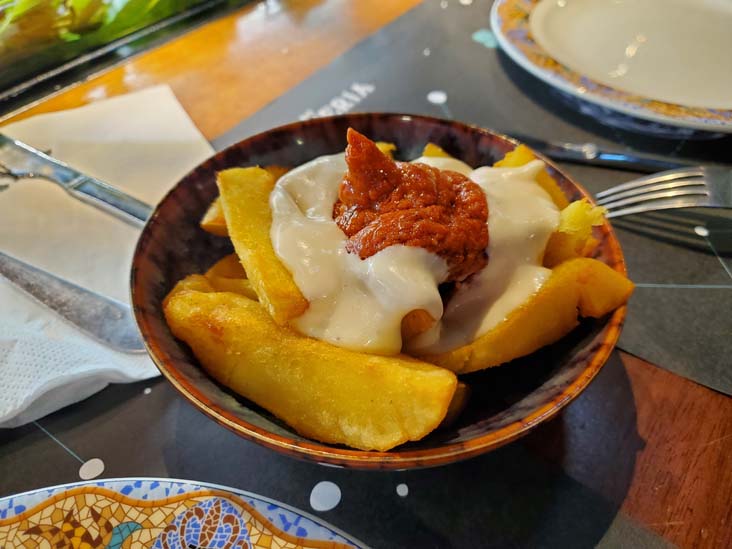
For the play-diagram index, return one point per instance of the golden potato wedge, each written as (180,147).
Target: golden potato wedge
(430,149)
(585,284)
(573,238)
(228,266)
(522,155)
(386,148)
(191,283)
(324,392)
(416,322)
(457,404)
(245,200)
(240,286)
(213,220)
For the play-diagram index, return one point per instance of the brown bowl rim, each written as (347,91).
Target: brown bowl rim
(394,459)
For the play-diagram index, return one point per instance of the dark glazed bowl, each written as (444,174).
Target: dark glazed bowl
(507,401)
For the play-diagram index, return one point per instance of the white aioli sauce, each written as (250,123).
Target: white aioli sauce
(359,304)
(521,218)
(354,303)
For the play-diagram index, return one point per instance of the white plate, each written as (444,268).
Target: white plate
(612,54)
(677,51)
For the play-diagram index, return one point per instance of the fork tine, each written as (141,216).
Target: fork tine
(669,175)
(656,187)
(667,204)
(659,195)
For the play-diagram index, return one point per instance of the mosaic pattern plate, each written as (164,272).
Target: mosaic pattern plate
(158,514)
(510,23)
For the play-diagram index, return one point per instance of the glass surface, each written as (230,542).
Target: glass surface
(38,35)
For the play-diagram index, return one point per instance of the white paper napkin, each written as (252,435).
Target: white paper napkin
(143,143)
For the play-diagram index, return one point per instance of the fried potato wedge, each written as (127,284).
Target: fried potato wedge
(581,284)
(213,220)
(573,238)
(228,266)
(522,155)
(457,404)
(416,322)
(191,283)
(240,286)
(245,200)
(227,275)
(386,148)
(324,392)
(430,149)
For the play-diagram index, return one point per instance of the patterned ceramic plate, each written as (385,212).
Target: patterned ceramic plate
(159,514)
(510,22)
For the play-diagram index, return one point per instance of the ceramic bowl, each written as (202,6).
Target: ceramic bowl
(506,403)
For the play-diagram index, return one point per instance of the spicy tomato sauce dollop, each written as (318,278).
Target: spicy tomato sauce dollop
(382,202)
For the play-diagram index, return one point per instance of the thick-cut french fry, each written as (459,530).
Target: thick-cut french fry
(523,155)
(416,322)
(213,220)
(228,266)
(386,148)
(191,283)
(457,404)
(227,275)
(430,149)
(573,238)
(235,285)
(551,313)
(324,392)
(245,200)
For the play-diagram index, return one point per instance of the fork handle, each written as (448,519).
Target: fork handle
(19,160)
(110,199)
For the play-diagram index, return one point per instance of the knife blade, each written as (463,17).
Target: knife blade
(592,155)
(107,320)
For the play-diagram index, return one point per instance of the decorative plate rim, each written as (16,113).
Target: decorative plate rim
(202,484)
(332,455)
(568,80)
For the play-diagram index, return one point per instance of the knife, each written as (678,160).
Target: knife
(590,154)
(19,160)
(107,320)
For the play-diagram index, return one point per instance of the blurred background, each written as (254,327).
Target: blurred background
(42,39)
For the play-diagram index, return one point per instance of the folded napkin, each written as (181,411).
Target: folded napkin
(143,143)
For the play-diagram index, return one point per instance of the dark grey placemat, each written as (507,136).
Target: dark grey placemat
(440,59)
(510,498)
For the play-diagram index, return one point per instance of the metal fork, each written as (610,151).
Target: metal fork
(21,161)
(694,187)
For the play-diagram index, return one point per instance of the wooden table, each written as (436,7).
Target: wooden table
(662,443)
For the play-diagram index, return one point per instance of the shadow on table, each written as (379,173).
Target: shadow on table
(679,228)
(542,491)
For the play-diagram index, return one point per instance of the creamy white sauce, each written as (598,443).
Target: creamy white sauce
(354,303)
(521,217)
(359,304)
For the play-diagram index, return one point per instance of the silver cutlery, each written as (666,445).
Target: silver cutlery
(19,161)
(592,155)
(106,320)
(694,187)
